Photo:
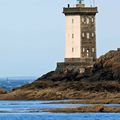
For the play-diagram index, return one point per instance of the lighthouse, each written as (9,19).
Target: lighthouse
(80,40)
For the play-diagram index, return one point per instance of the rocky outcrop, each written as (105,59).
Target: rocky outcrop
(107,67)
(102,79)
(2,91)
(86,109)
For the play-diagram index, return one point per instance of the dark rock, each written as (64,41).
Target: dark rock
(103,77)
(107,67)
(2,91)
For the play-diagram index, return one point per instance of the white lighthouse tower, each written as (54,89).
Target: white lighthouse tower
(80,48)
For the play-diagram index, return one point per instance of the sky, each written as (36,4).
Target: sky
(32,34)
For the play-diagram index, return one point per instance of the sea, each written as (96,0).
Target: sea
(9,83)
(34,110)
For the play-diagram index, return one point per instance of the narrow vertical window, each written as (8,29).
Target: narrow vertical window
(72,20)
(92,19)
(72,35)
(87,52)
(83,49)
(72,49)
(93,50)
(83,34)
(88,35)
(87,20)
(92,34)
(83,19)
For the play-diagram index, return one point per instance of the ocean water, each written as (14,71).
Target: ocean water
(10,83)
(32,110)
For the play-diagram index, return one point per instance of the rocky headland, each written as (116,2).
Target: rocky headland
(100,84)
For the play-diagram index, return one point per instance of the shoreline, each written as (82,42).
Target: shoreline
(86,109)
(76,97)
(89,101)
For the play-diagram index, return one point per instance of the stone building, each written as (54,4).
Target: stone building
(80,50)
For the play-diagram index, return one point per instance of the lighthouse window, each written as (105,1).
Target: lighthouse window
(92,34)
(83,20)
(87,21)
(83,34)
(72,49)
(92,19)
(83,49)
(87,52)
(88,35)
(72,20)
(93,50)
(72,35)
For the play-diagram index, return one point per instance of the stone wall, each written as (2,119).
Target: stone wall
(88,36)
(118,49)
(73,64)
(80,60)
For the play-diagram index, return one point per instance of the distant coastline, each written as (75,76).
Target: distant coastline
(9,83)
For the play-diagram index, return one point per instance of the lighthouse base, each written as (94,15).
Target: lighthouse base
(75,64)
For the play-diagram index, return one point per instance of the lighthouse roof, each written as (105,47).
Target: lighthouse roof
(80,9)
